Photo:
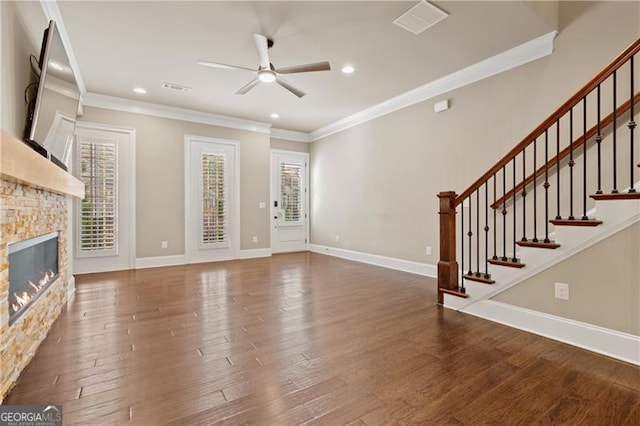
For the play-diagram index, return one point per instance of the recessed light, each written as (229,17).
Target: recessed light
(275,115)
(348,69)
(139,90)
(56,66)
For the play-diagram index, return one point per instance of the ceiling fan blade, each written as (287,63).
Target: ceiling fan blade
(223,66)
(297,92)
(262,47)
(250,85)
(318,66)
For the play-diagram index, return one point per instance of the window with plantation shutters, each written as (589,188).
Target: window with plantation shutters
(214,204)
(291,175)
(98,215)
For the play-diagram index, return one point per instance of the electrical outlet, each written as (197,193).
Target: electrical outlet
(262,205)
(255,239)
(337,238)
(164,244)
(429,251)
(562,291)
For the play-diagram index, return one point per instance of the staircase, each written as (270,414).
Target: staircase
(568,184)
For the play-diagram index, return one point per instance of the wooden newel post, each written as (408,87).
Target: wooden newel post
(447,265)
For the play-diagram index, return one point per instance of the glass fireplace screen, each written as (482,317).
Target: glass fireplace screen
(33,267)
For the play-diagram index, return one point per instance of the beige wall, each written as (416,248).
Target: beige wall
(375,185)
(160,179)
(22,24)
(287,145)
(604,285)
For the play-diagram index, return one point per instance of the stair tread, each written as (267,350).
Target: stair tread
(576,222)
(454,292)
(480,279)
(617,196)
(508,262)
(538,244)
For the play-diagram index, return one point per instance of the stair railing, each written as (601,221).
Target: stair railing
(611,91)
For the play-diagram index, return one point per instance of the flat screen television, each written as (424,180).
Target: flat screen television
(52,114)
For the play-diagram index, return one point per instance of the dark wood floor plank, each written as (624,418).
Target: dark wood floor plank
(306,338)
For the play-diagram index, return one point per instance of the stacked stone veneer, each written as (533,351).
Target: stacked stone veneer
(26,212)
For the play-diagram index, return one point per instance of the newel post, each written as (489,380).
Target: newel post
(447,265)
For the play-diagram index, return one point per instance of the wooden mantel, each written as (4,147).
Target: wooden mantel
(20,162)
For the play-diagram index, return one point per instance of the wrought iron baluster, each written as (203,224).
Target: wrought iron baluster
(461,287)
(478,232)
(614,141)
(546,186)
(514,259)
(584,159)
(558,169)
(571,164)
(504,213)
(470,234)
(486,229)
(599,142)
(524,195)
(535,187)
(495,243)
(632,126)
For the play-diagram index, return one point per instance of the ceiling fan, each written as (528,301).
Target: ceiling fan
(266,72)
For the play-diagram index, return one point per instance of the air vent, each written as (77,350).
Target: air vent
(420,17)
(176,87)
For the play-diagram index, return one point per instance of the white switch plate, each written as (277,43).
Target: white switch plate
(562,291)
(429,251)
(164,244)
(337,238)
(255,239)
(262,205)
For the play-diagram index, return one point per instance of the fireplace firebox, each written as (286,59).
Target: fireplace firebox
(33,267)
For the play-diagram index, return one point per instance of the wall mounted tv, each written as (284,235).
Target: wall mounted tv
(53,111)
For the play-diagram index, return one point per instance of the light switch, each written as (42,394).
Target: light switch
(262,205)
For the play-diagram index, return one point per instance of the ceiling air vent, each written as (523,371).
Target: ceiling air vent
(420,17)
(176,87)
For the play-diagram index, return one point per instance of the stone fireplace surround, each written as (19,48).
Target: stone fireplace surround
(35,199)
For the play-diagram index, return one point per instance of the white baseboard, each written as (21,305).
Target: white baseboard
(418,268)
(180,259)
(622,346)
(158,261)
(254,253)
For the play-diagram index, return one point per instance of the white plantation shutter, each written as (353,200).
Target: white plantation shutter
(214,205)
(98,215)
(291,192)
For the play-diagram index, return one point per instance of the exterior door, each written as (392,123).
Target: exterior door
(289,200)
(104,224)
(212,229)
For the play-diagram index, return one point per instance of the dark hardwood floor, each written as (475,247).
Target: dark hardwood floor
(303,338)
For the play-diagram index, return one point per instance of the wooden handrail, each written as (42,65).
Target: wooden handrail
(559,113)
(592,132)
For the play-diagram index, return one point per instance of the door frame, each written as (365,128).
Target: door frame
(272,221)
(234,208)
(130,132)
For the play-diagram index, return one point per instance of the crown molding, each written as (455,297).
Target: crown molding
(98,100)
(51,11)
(512,58)
(290,135)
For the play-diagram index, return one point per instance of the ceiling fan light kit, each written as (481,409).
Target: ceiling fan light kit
(266,72)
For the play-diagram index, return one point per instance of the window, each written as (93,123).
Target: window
(290,191)
(98,169)
(214,199)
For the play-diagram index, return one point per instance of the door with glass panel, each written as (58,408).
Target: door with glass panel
(104,220)
(289,200)
(212,199)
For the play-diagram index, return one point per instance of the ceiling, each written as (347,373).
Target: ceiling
(121,45)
